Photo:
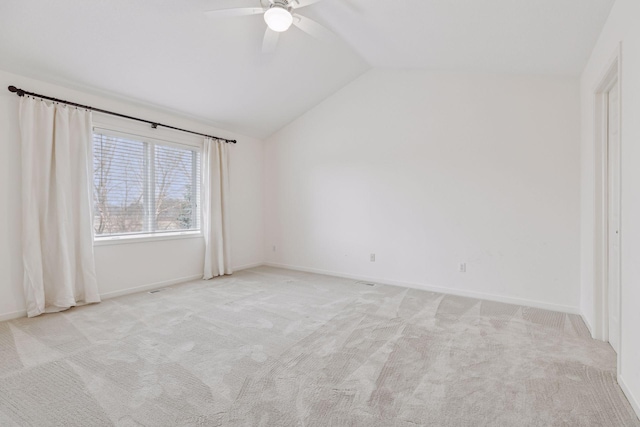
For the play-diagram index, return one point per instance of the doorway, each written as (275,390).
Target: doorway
(607,200)
(613,215)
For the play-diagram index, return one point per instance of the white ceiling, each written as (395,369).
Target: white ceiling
(168,53)
(504,36)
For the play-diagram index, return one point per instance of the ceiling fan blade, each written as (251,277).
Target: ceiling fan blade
(237,11)
(270,41)
(314,29)
(297,4)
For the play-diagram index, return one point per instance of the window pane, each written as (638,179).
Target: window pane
(176,191)
(144,187)
(119,184)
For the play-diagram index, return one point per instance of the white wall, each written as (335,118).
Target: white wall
(427,171)
(622,26)
(123,267)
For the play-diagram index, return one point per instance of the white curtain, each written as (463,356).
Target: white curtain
(57,232)
(215,208)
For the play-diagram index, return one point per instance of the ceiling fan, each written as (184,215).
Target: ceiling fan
(279,16)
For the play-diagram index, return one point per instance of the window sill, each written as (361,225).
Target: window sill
(144,238)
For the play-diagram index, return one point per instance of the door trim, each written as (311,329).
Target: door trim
(610,76)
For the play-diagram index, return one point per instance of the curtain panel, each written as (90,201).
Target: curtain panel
(215,208)
(57,231)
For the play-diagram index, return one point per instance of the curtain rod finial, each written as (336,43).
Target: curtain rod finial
(14,89)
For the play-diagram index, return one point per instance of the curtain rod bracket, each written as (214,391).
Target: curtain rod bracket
(154,125)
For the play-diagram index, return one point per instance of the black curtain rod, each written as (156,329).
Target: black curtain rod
(154,125)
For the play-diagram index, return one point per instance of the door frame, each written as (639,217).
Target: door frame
(610,76)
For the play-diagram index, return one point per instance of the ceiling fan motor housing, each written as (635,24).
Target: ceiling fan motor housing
(278,17)
(284,4)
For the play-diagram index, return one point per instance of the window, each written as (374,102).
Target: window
(143,186)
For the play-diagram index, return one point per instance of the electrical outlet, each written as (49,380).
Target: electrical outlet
(462,267)
(372,257)
(274,248)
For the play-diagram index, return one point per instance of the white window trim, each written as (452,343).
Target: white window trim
(139,136)
(145,238)
(128,127)
(155,136)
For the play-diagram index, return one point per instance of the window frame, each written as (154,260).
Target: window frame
(156,137)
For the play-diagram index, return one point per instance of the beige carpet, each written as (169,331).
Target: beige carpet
(269,347)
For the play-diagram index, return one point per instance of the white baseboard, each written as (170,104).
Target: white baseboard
(439,289)
(149,287)
(166,283)
(635,403)
(23,313)
(588,324)
(247,266)
(421,286)
(13,315)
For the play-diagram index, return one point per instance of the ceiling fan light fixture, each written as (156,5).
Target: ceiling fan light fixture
(278,18)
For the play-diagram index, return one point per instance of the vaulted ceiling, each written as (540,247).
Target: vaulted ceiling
(168,53)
